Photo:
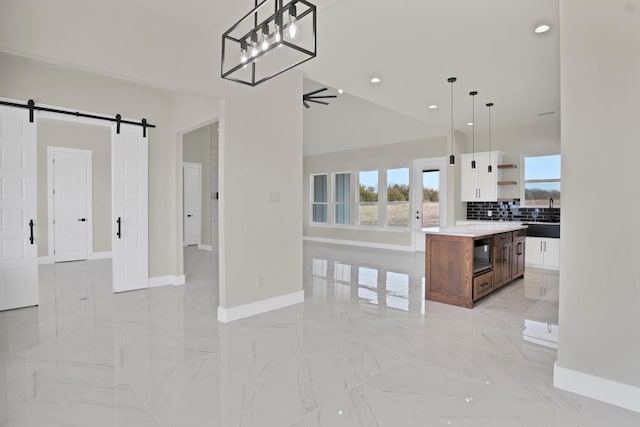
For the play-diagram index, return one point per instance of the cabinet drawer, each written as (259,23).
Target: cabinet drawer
(482,285)
(502,238)
(519,234)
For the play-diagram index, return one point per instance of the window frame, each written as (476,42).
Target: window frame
(386,198)
(335,203)
(523,200)
(381,220)
(312,201)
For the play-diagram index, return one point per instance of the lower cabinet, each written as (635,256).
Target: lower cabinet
(543,252)
(502,259)
(449,273)
(518,254)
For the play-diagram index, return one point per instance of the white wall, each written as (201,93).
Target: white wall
(56,133)
(22,78)
(261,152)
(600,283)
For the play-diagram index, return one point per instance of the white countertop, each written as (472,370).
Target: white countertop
(475,230)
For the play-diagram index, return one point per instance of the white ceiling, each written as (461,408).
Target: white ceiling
(413,44)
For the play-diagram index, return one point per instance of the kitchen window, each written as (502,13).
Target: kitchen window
(342,209)
(319,198)
(541,181)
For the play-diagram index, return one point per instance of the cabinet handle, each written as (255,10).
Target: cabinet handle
(540,245)
(119,233)
(485,284)
(479,193)
(31,231)
(545,246)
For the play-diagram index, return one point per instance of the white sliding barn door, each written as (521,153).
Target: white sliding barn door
(18,213)
(130,244)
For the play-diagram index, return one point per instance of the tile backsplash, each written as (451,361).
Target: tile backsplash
(510,211)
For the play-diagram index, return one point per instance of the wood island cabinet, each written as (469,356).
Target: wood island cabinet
(450,276)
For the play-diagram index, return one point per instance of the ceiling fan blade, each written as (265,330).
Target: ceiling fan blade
(306,105)
(319,102)
(315,91)
(320,97)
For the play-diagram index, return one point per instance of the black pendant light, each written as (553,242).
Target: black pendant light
(473,124)
(452,157)
(490,168)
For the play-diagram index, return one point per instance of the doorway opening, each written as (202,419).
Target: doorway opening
(74,191)
(200,203)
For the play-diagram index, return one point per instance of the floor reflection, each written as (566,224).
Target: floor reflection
(364,277)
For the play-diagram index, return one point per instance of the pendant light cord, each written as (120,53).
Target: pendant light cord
(452,157)
(490,104)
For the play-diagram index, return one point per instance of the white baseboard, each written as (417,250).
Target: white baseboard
(360,244)
(605,390)
(154,282)
(230,314)
(205,247)
(100,255)
(45,260)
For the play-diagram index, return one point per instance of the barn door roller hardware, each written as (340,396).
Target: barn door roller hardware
(31,106)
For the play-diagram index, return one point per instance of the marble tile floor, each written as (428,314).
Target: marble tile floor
(364,349)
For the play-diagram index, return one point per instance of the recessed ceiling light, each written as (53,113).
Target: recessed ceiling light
(340,91)
(543,28)
(433,106)
(375,80)
(470,124)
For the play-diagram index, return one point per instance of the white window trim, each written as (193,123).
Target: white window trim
(524,182)
(312,202)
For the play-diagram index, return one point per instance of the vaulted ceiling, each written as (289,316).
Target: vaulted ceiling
(413,45)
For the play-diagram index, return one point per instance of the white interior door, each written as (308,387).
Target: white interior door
(192,211)
(71,188)
(18,210)
(130,198)
(429,195)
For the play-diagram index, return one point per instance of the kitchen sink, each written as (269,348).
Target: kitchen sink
(543,229)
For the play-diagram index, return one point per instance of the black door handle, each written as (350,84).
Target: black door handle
(119,222)
(31,234)
(82,219)
(189,215)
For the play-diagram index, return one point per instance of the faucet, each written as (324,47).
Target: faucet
(550,203)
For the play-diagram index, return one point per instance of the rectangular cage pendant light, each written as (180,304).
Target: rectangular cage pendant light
(272,38)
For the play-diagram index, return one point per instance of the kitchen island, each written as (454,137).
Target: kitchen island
(467,262)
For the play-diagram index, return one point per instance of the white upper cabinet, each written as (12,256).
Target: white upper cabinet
(478,185)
